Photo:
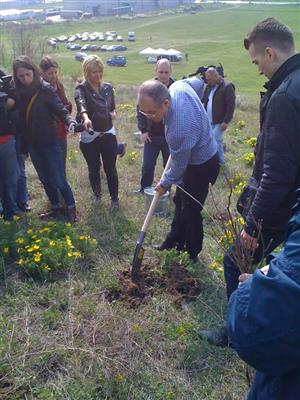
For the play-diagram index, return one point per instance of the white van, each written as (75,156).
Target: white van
(131,36)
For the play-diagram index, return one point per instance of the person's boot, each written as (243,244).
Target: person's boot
(71,214)
(114,205)
(217,337)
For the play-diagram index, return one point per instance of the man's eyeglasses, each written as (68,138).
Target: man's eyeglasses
(150,114)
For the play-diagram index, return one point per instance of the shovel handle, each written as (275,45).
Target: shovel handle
(154,201)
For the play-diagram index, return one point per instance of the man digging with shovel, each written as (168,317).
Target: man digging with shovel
(194,160)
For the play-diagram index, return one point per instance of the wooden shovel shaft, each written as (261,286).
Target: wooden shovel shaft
(139,251)
(154,202)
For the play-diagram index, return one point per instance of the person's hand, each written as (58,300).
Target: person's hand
(161,190)
(248,241)
(72,127)
(24,156)
(243,277)
(224,126)
(146,137)
(113,114)
(88,124)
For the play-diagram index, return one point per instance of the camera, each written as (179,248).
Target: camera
(6,93)
(202,69)
(6,84)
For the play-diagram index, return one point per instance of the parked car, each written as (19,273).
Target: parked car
(80,56)
(172,58)
(131,36)
(117,61)
(101,37)
(94,47)
(152,60)
(73,46)
(116,47)
(104,47)
(109,38)
(119,38)
(85,47)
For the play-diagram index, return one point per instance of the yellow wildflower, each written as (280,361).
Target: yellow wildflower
(16,217)
(5,250)
(20,240)
(29,231)
(21,261)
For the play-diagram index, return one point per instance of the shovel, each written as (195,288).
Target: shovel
(139,250)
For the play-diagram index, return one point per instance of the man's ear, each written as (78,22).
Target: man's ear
(166,103)
(270,53)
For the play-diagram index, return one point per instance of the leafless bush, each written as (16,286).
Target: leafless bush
(25,42)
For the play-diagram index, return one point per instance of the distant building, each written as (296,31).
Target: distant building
(111,7)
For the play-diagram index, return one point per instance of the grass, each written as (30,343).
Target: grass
(64,338)
(211,36)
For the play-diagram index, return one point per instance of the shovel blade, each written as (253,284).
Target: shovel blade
(137,261)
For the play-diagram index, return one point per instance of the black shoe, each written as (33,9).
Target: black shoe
(166,245)
(217,337)
(24,207)
(138,191)
(53,213)
(194,259)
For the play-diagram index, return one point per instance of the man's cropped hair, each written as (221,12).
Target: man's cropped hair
(270,33)
(155,90)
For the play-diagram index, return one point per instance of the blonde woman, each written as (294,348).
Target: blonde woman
(95,102)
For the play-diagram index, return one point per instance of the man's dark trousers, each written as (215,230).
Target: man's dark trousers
(187,228)
(151,152)
(268,241)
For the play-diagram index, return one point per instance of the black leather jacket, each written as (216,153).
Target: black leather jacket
(277,153)
(97,105)
(223,103)
(41,127)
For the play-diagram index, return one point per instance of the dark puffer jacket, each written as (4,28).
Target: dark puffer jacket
(40,128)
(223,104)
(97,105)
(263,321)
(277,153)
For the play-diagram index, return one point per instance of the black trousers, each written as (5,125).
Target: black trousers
(105,148)
(187,228)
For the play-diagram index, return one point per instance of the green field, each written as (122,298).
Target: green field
(82,333)
(210,36)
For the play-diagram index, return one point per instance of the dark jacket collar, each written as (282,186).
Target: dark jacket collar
(283,71)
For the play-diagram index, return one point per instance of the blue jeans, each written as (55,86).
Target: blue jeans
(49,165)
(218,135)
(9,174)
(22,192)
(64,147)
(269,240)
(151,152)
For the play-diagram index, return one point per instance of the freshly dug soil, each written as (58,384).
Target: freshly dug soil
(176,281)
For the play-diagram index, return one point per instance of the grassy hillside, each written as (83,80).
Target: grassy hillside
(84,331)
(211,36)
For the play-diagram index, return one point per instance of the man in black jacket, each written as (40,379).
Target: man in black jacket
(276,173)
(219,102)
(153,133)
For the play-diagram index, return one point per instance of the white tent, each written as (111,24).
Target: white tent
(160,51)
(173,52)
(148,51)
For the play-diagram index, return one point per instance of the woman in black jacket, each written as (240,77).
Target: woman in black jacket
(39,106)
(95,102)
